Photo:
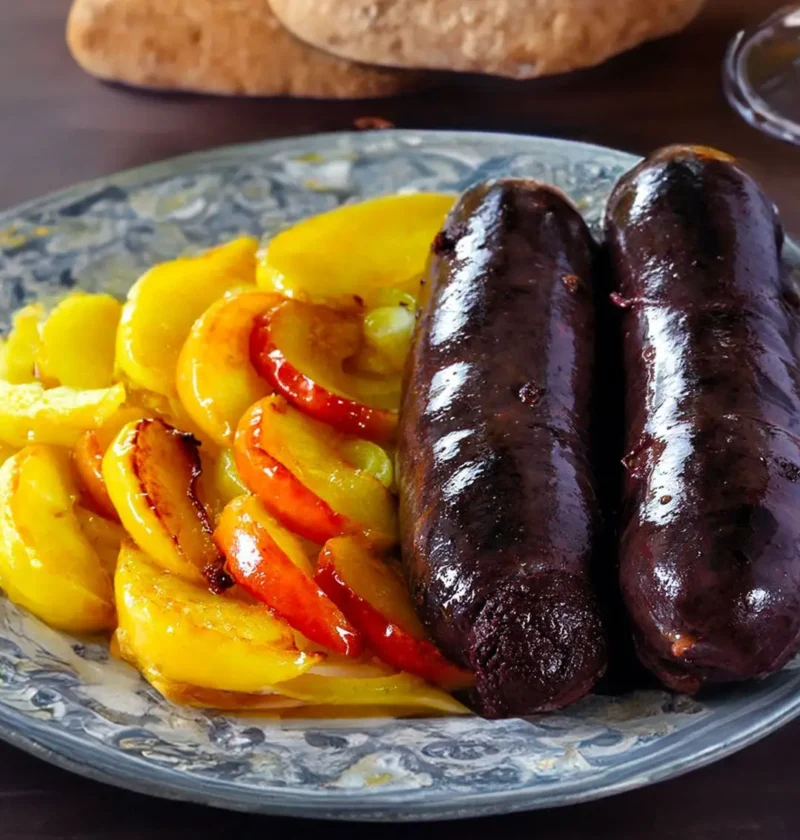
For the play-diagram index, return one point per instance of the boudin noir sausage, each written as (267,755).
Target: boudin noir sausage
(710,546)
(498,512)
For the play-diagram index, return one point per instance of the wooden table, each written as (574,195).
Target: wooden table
(58,126)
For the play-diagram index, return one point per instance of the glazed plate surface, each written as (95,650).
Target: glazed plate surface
(68,702)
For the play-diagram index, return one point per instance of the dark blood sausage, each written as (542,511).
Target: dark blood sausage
(498,512)
(710,547)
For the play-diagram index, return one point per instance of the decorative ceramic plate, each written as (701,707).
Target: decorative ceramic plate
(68,702)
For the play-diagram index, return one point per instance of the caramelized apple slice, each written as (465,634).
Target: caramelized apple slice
(397,690)
(269,562)
(165,302)
(150,472)
(216,381)
(376,601)
(303,349)
(58,416)
(297,466)
(185,634)
(47,564)
(87,459)
(349,257)
(78,339)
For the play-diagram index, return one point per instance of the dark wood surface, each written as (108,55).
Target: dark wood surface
(58,126)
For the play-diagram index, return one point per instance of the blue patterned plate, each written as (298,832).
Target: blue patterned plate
(67,702)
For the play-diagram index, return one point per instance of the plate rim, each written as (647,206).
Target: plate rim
(58,747)
(178,162)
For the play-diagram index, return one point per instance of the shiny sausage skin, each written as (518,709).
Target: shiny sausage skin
(498,512)
(710,548)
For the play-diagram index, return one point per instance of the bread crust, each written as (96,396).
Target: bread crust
(517,38)
(214,46)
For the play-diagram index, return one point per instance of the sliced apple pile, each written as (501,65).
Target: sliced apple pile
(150,472)
(185,634)
(166,301)
(58,416)
(358,254)
(303,351)
(374,598)
(47,563)
(297,467)
(77,341)
(270,563)
(216,381)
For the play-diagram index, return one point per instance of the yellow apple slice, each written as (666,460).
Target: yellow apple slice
(78,340)
(58,416)
(165,302)
(188,635)
(358,254)
(400,689)
(227,482)
(216,381)
(104,535)
(150,472)
(21,348)
(47,563)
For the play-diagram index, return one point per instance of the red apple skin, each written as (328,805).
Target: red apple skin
(285,496)
(393,645)
(345,415)
(258,565)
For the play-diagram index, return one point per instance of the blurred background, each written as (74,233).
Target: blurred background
(60,124)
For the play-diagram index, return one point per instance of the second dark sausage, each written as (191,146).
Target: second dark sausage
(710,551)
(498,511)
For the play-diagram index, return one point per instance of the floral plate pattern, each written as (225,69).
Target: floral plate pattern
(67,701)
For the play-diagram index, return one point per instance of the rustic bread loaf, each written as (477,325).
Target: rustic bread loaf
(517,38)
(215,46)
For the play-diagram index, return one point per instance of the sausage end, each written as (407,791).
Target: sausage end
(537,645)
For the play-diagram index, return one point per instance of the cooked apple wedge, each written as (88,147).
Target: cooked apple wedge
(270,563)
(150,472)
(87,459)
(396,691)
(21,348)
(353,256)
(47,563)
(303,351)
(58,416)
(374,598)
(77,344)
(185,634)
(298,468)
(105,536)
(165,302)
(216,381)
